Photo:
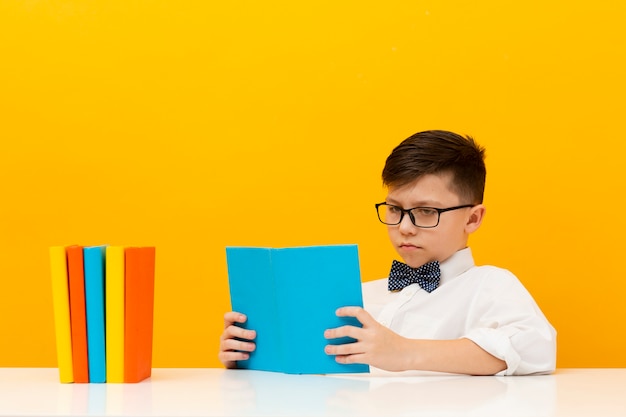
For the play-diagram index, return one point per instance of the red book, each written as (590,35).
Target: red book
(139,306)
(78,321)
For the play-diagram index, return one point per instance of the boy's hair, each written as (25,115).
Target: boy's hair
(439,152)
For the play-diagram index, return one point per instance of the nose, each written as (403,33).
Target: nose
(406,226)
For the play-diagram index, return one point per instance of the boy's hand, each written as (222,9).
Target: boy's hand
(375,344)
(231,348)
(378,346)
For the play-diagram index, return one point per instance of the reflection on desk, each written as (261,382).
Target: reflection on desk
(219,392)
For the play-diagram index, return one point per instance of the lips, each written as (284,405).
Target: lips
(408,246)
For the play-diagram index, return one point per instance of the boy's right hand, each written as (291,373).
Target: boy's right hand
(232,349)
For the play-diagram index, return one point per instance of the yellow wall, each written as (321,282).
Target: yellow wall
(192,125)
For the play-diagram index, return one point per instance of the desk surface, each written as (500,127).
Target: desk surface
(219,392)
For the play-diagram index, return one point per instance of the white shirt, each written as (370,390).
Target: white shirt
(485,304)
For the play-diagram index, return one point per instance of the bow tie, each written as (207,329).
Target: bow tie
(401,275)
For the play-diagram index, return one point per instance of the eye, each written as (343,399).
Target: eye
(424,211)
(393,209)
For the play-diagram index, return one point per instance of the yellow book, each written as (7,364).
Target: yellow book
(61,306)
(114,313)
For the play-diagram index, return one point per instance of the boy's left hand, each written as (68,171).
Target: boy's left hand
(375,344)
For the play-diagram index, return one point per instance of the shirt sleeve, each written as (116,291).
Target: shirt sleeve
(506,322)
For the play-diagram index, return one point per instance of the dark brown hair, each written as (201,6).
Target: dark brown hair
(439,152)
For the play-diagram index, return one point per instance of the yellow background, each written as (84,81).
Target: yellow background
(193,125)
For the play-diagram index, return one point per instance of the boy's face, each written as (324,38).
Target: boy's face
(418,246)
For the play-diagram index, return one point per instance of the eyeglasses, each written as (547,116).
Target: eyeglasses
(424,217)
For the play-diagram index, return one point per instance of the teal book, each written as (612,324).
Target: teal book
(94,264)
(290,296)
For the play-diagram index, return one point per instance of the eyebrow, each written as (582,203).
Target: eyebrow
(423,203)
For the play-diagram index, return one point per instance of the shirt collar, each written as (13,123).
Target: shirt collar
(456,264)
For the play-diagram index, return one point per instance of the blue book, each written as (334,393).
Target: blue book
(290,296)
(94,261)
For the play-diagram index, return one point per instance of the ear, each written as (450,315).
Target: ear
(475,218)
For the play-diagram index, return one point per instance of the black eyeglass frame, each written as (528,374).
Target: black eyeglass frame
(412,217)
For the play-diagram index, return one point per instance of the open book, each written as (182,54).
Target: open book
(290,296)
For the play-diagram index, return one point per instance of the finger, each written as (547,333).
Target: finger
(345,349)
(237,345)
(344,331)
(234,317)
(349,359)
(361,315)
(233,331)
(229,357)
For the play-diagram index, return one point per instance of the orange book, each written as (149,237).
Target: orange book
(139,306)
(78,321)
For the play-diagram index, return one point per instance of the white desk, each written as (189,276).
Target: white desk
(218,392)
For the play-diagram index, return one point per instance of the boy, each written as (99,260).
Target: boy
(438,311)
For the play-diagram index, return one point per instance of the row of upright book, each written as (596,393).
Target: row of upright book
(103,298)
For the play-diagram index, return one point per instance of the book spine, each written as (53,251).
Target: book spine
(78,321)
(114,302)
(140,266)
(94,297)
(61,307)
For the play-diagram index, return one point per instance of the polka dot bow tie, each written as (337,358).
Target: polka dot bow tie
(401,275)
